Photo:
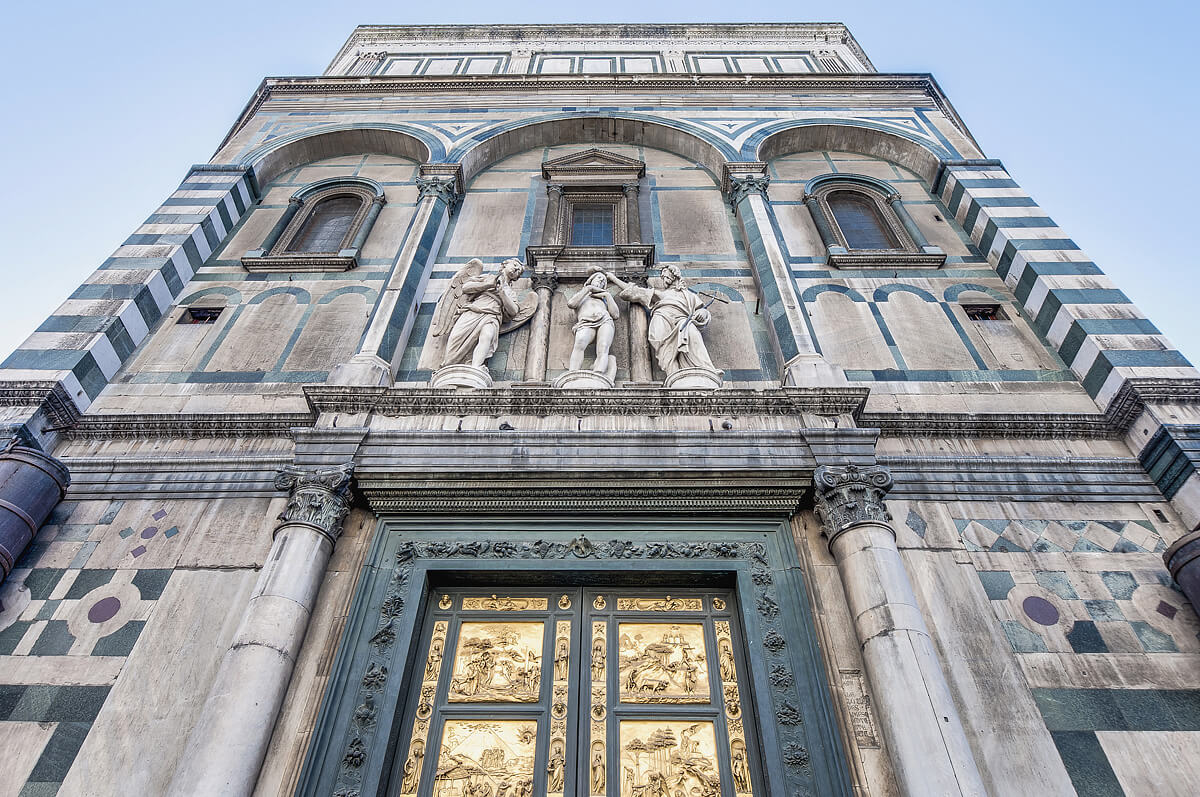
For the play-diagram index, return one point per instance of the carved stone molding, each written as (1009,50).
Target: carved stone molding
(318,497)
(621,402)
(742,187)
(849,495)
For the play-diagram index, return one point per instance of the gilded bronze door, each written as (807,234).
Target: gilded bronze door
(605,693)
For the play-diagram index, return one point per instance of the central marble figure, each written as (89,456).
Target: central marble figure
(596,312)
(677,316)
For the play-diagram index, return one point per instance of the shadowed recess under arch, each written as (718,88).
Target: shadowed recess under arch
(923,158)
(477,155)
(277,156)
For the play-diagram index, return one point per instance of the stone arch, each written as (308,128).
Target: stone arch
(232,295)
(811,294)
(477,154)
(278,155)
(917,156)
(952,293)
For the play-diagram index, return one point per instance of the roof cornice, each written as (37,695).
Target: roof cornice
(534,35)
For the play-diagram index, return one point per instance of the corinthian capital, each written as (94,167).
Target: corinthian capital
(741,187)
(443,188)
(849,495)
(317,497)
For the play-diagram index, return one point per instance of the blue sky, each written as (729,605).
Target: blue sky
(1092,106)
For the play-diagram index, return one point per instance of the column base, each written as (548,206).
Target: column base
(461,375)
(583,380)
(694,379)
(362,370)
(812,370)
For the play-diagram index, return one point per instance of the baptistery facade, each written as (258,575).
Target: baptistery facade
(605,410)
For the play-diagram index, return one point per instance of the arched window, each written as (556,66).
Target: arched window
(327,226)
(323,229)
(862,222)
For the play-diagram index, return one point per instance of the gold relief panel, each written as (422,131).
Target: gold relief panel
(662,663)
(667,757)
(498,662)
(493,757)
(667,604)
(493,603)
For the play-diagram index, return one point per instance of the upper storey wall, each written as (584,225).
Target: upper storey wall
(599,49)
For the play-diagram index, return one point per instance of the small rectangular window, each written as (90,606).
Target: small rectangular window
(592,225)
(200,315)
(984,312)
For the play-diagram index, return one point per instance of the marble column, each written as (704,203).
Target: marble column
(544,282)
(925,737)
(395,310)
(226,747)
(638,320)
(799,361)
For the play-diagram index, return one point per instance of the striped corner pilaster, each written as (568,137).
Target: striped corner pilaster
(1093,326)
(83,344)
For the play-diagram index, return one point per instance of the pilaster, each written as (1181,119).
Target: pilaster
(799,361)
(440,189)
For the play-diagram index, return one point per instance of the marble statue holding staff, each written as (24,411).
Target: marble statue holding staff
(677,316)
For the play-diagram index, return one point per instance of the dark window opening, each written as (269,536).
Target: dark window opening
(200,315)
(592,225)
(326,227)
(860,221)
(984,312)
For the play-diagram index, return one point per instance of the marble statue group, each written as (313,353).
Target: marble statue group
(478,308)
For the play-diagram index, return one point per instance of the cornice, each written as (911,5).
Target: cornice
(772,492)
(550,401)
(188,425)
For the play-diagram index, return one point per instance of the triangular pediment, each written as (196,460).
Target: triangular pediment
(593,161)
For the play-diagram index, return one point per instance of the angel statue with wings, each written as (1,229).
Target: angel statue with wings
(475,311)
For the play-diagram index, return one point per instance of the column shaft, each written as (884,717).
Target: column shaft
(226,748)
(925,737)
(539,331)
(639,344)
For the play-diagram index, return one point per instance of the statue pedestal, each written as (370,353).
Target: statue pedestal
(583,380)
(462,375)
(694,379)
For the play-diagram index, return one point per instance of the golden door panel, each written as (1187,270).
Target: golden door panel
(668,757)
(595,693)
(662,663)
(498,662)
(486,757)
